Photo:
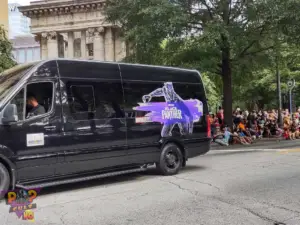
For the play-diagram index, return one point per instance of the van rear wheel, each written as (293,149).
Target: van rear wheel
(4,180)
(170,160)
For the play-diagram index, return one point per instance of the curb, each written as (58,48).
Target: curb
(278,143)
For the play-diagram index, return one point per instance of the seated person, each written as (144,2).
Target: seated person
(267,130)
(279,131)
(294,131)
(35,108)
(239,137)
(223,139)
(273,128)
(242,128)
(287,127)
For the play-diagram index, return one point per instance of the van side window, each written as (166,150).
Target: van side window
(99,100)
(19,101)
(194,91)
(82,101)
(109,100)
(134,92)
(38,100)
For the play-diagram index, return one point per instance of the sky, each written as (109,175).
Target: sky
(22,2)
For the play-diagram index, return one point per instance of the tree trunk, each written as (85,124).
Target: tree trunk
(227,87)
(226,67)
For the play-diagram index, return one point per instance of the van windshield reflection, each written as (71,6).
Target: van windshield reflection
(11,77)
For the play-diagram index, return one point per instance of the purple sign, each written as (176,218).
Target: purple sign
(174,111)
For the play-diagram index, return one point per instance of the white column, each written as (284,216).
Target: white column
(71,44)
(109,45)
(52,45)
(99,44)
(44,46)
(120,47)
(61,46)
(83,44)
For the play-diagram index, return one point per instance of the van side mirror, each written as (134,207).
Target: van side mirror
(10,114)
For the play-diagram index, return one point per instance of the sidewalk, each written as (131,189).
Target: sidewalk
(274,143)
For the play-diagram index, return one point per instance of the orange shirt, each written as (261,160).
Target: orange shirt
(241,126)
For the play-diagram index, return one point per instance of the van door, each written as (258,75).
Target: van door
(35,140)
(143,137)
(94,119)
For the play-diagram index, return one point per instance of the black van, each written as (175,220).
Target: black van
(65,121)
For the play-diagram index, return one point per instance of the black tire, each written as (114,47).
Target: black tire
(4,180)
(171,160)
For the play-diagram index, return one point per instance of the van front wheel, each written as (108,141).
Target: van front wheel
(170,160)
(4,180)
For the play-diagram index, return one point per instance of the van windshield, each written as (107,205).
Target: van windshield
(11,77)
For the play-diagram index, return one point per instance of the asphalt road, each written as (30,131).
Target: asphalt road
(248,186)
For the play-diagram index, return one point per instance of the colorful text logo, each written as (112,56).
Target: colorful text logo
(21,203)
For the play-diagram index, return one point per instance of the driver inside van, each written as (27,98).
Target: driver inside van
(35,108)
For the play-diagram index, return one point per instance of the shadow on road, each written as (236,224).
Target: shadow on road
(221,154)
(115,180)
(191,169)
(128,178)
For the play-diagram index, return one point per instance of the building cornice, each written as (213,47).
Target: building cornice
(44,8)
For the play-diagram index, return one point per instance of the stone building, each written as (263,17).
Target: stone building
(74,29)
(25,49)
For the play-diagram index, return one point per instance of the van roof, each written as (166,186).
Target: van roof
(121,63)
(76,68)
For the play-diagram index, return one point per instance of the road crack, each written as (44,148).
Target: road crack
(281,207)
(138,196)
(291,218)
(269,204)
(103,197)
(62,218)
(209,184)
(180,187)
(263,217)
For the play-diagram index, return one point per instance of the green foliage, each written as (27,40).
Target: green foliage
(200,34)
(214,98)
(6,60)
(261,91)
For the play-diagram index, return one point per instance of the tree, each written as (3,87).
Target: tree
(260,90)
(223,36)
(6,60)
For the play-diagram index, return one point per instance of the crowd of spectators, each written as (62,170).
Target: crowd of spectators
(250,126)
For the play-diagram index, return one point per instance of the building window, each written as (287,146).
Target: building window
(37,55)
(29,56)
(21,58)
(90,48)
